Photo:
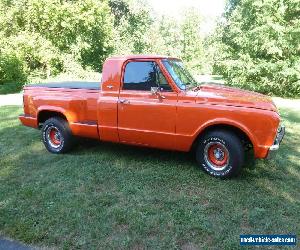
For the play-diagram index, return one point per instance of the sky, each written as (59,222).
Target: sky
(208,9)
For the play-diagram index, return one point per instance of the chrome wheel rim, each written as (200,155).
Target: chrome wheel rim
(54,137)
(216,156)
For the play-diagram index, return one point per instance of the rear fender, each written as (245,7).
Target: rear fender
(67,114)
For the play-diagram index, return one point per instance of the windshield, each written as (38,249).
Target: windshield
(179,73)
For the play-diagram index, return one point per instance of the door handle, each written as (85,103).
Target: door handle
(124,101)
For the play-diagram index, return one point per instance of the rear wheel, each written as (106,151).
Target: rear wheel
(56,135)
(220,153)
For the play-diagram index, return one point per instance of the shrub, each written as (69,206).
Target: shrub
(13,73)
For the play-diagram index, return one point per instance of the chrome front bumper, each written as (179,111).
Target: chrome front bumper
(273,149)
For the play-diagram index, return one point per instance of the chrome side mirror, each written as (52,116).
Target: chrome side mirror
(156,91)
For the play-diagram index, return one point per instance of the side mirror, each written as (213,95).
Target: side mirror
(156,91)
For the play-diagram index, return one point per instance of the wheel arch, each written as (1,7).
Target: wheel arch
(45,114)
(241,131)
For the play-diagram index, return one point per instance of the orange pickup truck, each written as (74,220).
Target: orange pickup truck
(153,101)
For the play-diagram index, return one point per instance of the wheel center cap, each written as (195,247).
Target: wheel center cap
(219,154)
(56,136)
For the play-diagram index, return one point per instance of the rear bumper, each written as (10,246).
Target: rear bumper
(28,121)
(274,148)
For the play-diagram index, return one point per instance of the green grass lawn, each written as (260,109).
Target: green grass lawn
(103,195)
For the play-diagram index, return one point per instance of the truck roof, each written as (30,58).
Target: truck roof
(113,67)
(128,57)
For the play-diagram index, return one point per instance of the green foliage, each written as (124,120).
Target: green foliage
(259,46)
(256,46)
(138,31)
(38,53)
(51,37)
(48,36)
(81,28)
(192,42)
(120,10)
(132,27)
(179,38)
(12,73)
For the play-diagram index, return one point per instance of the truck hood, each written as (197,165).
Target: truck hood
(220,94)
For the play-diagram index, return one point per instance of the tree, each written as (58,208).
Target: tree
(82,28)
(191,40)
(132,26)
(120,10)
(259,46)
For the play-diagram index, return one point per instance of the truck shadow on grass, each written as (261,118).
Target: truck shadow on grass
(138,153)
(108,195)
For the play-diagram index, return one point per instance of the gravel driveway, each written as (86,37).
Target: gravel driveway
(9,244)
(11,99)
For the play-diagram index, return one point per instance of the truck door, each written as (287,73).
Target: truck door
(143,117)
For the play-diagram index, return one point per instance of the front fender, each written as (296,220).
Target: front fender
(228,122)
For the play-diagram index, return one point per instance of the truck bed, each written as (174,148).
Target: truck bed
(68,85)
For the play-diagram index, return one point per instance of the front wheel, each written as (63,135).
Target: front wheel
(56,135)
(220,153)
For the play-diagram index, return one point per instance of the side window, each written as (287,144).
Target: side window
(143,76)
(162,81)
(140,76)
